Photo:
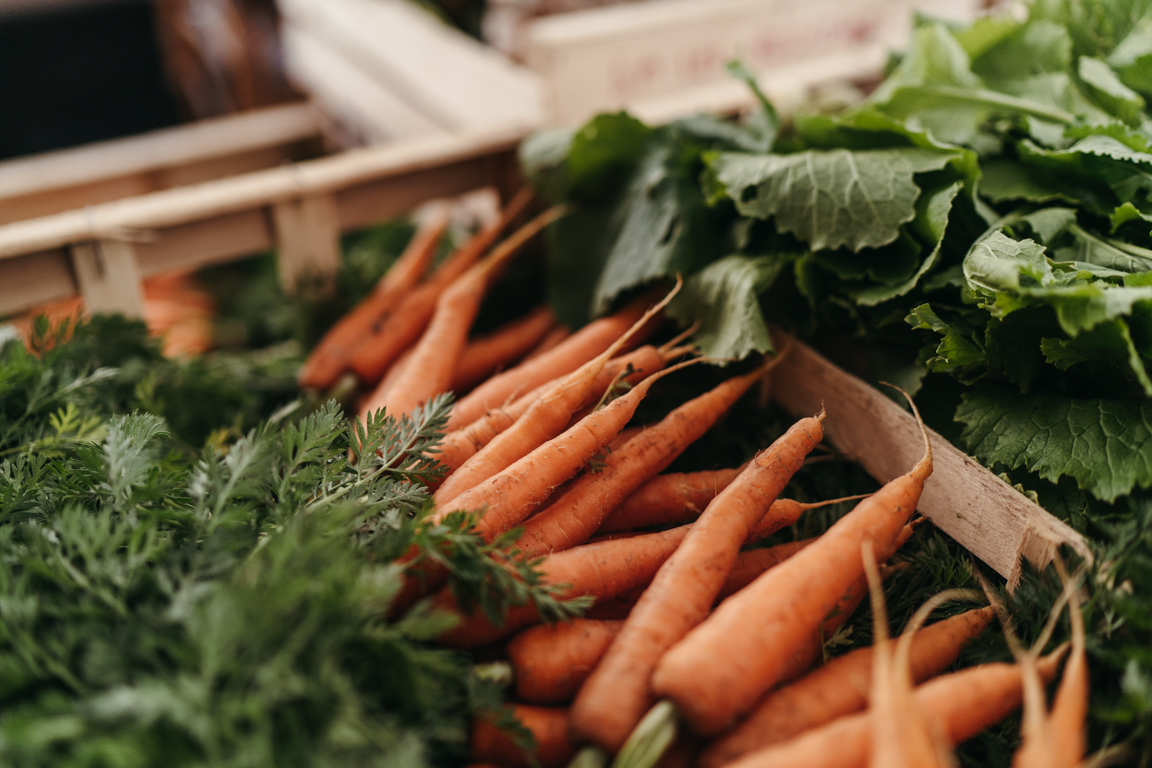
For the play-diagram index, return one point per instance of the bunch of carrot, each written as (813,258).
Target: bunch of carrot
(688,624)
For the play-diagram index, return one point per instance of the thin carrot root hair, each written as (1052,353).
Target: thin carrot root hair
(925,462)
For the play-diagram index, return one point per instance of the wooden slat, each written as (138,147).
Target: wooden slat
(433,158)
(984,514)
(57,181)
(108,277)
(366,108)
(619,56)
(454,80)
(37,278)
(308,239)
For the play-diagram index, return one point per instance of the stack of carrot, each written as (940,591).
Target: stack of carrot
(688,624)
(176,310)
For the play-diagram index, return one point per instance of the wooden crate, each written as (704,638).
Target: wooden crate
(68,179)
(664,58)
(103,251)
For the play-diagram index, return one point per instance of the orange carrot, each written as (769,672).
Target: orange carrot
(748,638)
(485,355)
(550,662)
(754,562)
(550,340)
(673,498)
(512,495)
(840,688)
(1056,739)
(962,704)
(901,736)
(562,359)
(391,376)
(457,447)
(549,727)
(748,566)
(435,357)
(581,510)
(396,332)
(330,358)
(547,417)
(617,695)
(601,571)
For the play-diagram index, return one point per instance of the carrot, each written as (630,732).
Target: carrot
(754,562)
(330,358)
(673,498)
(601,571)
(394,333)
(616,695)
(550,340)
(485,355)
(435,357)
(749,637)
(512,495)
(550,662)
(457,447)
(547,417)
(962,704)
(391,376)
(549,728)
(901,735)
(581,510)
(1056,739)
(840,688)
(748,566)
(811,647)
(562,359)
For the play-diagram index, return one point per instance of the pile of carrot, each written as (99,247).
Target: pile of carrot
(693,626)
(177,310)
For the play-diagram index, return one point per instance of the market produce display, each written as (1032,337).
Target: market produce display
(580,532)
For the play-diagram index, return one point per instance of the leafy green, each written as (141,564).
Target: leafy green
(1102,444)
(724,298)
(227,604)
(979,227)
(829,199)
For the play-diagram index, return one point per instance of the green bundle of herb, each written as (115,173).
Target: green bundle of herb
(163,603)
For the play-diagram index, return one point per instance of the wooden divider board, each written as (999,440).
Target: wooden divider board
(67,179)
(620,56)
(984,514)
(439,72)
(202,224)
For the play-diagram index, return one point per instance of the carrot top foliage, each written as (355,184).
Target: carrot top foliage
(163,602)
(977,229)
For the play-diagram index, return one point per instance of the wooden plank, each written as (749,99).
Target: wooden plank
(201,243)
(613,57)
(108,277)
(984,514)
(34,279)
(96,173)
(430,157)
(308,239)
(364,107)
(456,81)
(371,202)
